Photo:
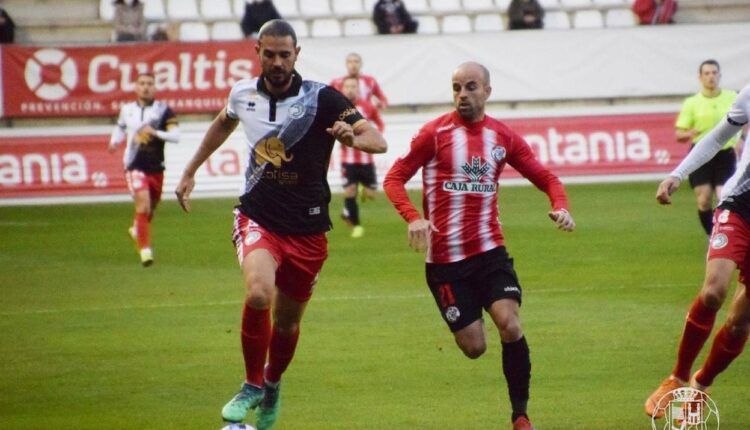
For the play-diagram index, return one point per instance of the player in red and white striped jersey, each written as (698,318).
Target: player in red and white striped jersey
(358,166)
(462,155)
(368,86)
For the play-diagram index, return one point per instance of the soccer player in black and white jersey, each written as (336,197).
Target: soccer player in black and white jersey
(290,126)
(729,249)
(145,124)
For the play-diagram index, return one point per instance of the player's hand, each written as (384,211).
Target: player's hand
(183,190)
(563,219)
(147,129)
(343,132)
(666,189)
(419,234)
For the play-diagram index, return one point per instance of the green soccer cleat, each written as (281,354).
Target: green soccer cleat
(268,412)
(358,232)
(248,398)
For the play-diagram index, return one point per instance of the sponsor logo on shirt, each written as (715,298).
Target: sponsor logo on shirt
(271,150)
(475,172)
(346,113)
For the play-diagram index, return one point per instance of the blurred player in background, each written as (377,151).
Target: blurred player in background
(357,166)
(699,114)
(280,225)
(145,124)
(729,249)
(461,155)
(368,86)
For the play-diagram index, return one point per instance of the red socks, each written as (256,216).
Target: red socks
(725,349)
(142,230)
(280,354)
(700,321)
(256,335)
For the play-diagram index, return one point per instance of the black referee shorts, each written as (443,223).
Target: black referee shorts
(360,174)
(717,171)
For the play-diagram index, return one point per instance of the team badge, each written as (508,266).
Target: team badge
(719,241)
(297,110)
(452,314)
(724,216)
(252,237)
(498,153)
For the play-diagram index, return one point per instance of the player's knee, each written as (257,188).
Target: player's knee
(286,329)
(472,348)
(714,292)
(259,295)
(511,331)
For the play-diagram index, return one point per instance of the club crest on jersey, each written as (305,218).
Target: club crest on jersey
(719,241)
(498,153)
(297,110)
(475,171)
(452,314)
(271,150)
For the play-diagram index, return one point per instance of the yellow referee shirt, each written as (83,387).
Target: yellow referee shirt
(703,113)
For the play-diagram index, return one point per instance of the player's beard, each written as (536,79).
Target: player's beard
(278,78)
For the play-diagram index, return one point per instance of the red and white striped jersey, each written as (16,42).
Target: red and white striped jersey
(461,164)
(368,87)
(350,155)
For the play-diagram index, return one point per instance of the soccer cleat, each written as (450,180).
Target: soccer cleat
(147,257)
(249,397)
(268,411)
(358,231)
(652,406)
(522,423)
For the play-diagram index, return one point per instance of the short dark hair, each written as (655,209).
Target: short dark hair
(711,62)
(277,28)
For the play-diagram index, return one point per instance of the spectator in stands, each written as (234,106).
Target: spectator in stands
(7,27)
(651,12)
(525,14)
(257,13)
(391,17)
(130,25)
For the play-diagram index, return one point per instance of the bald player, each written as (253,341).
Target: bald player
(468,269)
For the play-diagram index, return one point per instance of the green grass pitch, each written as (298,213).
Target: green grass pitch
(90,340)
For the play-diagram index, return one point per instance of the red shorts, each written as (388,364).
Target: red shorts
(299,257)
(140,181)
(730,239)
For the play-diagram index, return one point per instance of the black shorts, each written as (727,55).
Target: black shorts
(717,171)
(360,174)
(463,288)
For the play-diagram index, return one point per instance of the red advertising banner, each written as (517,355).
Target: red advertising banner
(95,81)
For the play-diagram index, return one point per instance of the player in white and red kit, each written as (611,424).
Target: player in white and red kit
(729,249)
(357,166)
(462,155)
(145,125)
(368,86)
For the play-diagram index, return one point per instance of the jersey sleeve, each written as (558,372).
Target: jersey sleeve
(336,107)
(421,151)
(169,119)
(685,119)
(231,102)
(379,92)
(522,158)
(119,132)
(377,119)
(738,113)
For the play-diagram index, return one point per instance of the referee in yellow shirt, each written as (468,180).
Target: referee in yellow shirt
(699,114)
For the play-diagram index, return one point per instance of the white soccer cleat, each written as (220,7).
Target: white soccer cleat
(147,257)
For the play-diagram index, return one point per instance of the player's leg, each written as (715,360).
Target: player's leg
(728,342)
(142,226)
(704,200)
(369,182)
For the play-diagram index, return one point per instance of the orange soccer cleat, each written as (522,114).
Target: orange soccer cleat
(522,423)
(652,403)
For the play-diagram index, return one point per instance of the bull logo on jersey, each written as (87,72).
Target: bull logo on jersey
(271,150)
(475,170)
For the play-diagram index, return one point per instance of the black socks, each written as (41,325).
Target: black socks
(517,370)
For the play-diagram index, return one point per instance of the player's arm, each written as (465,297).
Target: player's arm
(169,129)
(378,92)
(349,126)
(522,158)
(377,119)
(422,150)
(220,129)
(119,132)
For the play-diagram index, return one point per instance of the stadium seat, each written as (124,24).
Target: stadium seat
(576,4)
(326,27)
(183,9)
(370,6)
(300,27)
(453,24)
(106,10)
(314,8)
(549,4)
(227,30)
(478,5)
(216,9)
(427,24)
(488,22)
(193,31)
(445,5)
(347,7)
(287,8)
(619,18)
(416,6)
(153,10)
(588,19)
(358,27)
(556,20)
(239,8)
(605,3)
(502,4)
